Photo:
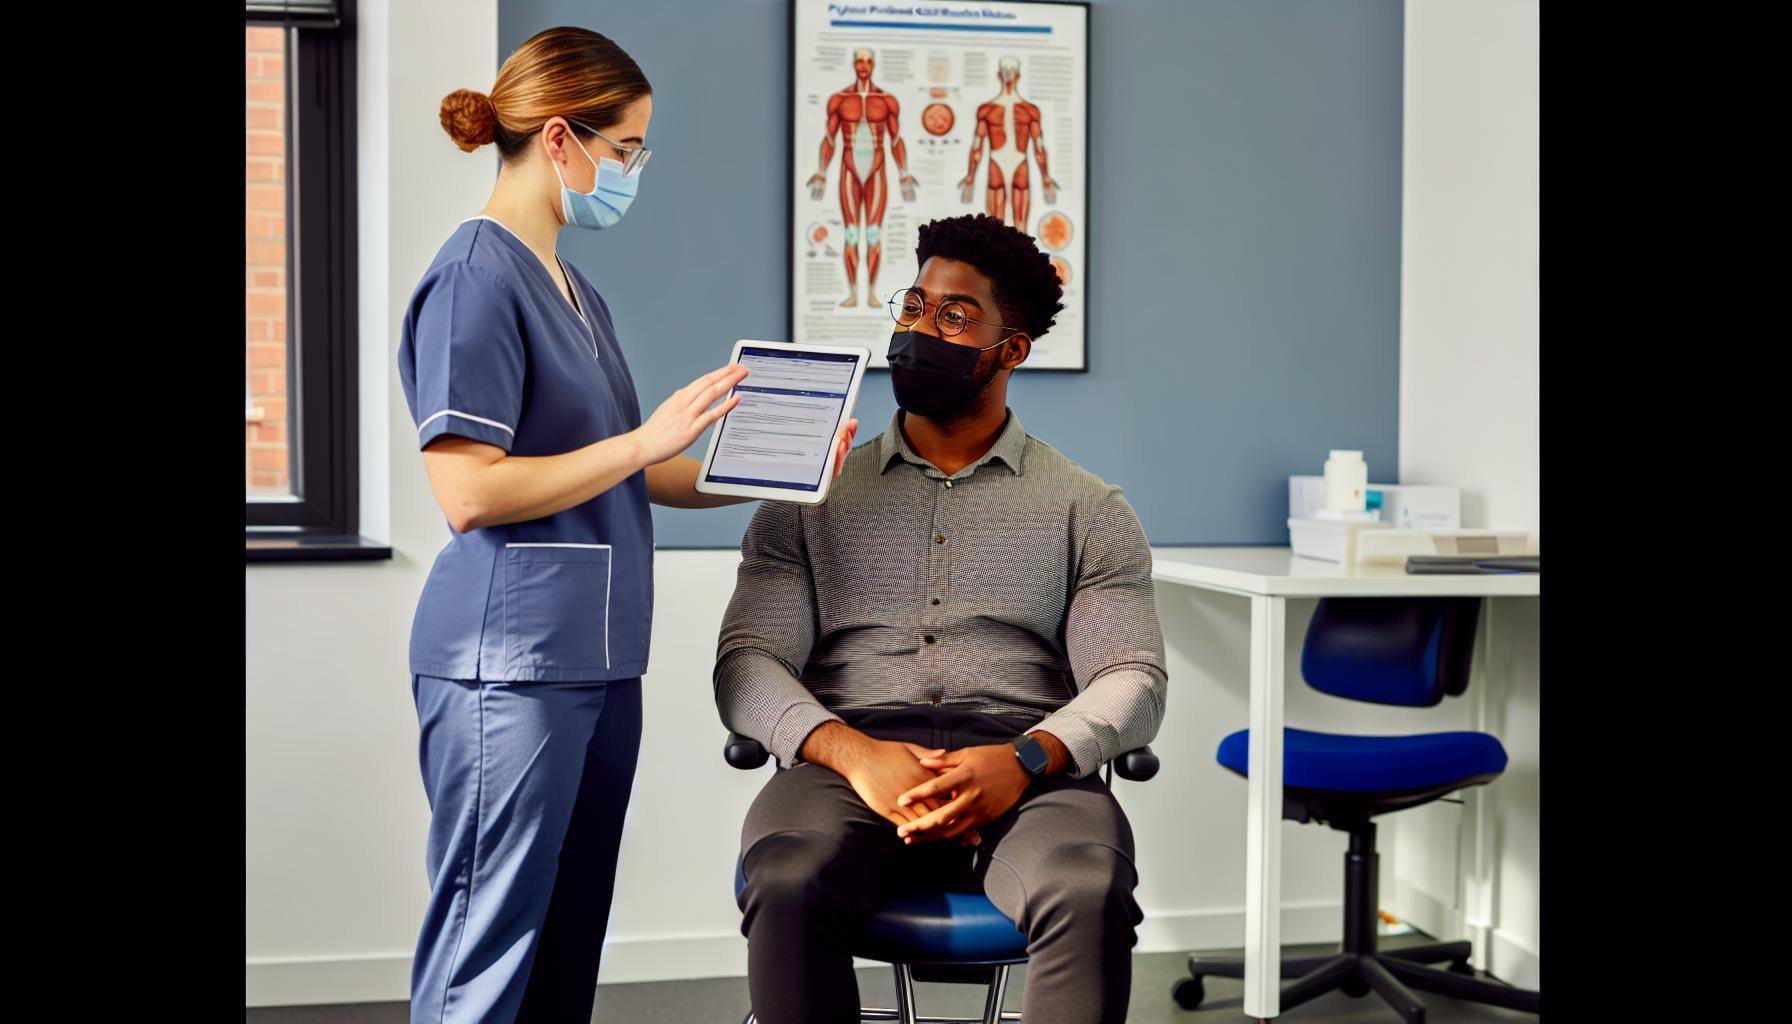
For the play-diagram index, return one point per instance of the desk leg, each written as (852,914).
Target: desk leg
(1263,827)
(1478,897)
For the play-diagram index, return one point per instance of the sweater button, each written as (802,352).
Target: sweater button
(928,638)
(939,538)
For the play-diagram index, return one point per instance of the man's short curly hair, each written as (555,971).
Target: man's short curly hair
(1025,284)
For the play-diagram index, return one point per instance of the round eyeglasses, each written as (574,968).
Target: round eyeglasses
(633,157)
(907,306)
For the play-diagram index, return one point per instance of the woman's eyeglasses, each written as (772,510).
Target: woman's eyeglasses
(633,157)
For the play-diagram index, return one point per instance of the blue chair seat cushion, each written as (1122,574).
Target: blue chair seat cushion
(940,928)
(1373,764)
(934,928)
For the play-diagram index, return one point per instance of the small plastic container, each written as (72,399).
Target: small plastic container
(1346,481)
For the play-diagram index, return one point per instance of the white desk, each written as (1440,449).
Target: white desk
(1268,577)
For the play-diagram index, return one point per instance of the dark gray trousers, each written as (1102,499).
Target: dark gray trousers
(818,862)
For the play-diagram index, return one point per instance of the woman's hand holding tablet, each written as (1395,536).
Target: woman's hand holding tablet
(778,430)
(681,419)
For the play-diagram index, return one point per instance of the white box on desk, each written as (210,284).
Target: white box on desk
(1328,540)
(1402,506)
(1417,506)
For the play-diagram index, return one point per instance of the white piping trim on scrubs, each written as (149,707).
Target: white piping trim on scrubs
(575,309)
(609,565)
(465,416)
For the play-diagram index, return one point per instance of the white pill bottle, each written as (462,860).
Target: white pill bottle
(1346,481)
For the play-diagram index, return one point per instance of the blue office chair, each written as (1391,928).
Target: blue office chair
(1411,652)
(957,937)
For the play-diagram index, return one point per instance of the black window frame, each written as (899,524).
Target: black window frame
(321,357)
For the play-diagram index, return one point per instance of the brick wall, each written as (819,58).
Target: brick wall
(264,276)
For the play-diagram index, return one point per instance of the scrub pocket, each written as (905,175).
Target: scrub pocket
(556,608)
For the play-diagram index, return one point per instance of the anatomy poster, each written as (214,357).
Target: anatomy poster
(904,113)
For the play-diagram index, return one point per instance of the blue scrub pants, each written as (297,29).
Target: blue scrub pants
(527,783)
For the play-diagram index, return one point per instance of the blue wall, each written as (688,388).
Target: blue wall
(1244,241)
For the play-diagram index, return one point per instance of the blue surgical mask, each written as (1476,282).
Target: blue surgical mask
(608,199)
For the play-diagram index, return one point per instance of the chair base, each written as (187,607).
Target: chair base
(904,1013)
(1387,973)
(1360,967)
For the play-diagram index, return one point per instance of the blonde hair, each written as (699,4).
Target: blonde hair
(568,72)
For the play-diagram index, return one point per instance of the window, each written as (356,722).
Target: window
(299,269)
(267,445)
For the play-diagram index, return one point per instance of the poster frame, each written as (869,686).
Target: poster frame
(1086,228)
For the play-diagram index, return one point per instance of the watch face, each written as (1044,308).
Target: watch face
(1032,755)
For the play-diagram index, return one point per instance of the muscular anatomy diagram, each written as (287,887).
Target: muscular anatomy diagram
(863,116)
(1008,124)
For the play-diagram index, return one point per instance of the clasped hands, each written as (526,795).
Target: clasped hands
(928,794)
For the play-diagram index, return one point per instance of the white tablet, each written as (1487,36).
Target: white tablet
(778,442)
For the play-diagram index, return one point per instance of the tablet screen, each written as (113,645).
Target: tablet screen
(782,432)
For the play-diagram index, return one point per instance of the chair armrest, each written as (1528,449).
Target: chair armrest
(1136,765)
(747,754)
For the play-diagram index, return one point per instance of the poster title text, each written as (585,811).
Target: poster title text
(918,11)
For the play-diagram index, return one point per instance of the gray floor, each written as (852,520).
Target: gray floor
(724,1000)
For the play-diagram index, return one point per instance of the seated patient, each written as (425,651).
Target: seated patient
(964,587)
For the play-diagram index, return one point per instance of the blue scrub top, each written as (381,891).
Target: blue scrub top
(492,351)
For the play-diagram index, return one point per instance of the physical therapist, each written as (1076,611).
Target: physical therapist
(532,631)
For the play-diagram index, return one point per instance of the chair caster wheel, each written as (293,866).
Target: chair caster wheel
(1188,993)
(1355,988)
(1462,967)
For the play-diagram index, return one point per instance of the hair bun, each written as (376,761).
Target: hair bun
(469,118)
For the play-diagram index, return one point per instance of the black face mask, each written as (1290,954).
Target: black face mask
(935,378)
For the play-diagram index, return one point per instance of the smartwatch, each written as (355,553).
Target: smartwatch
(1032,755)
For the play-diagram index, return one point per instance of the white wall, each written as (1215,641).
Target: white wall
(1469,289)
(1469,416)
